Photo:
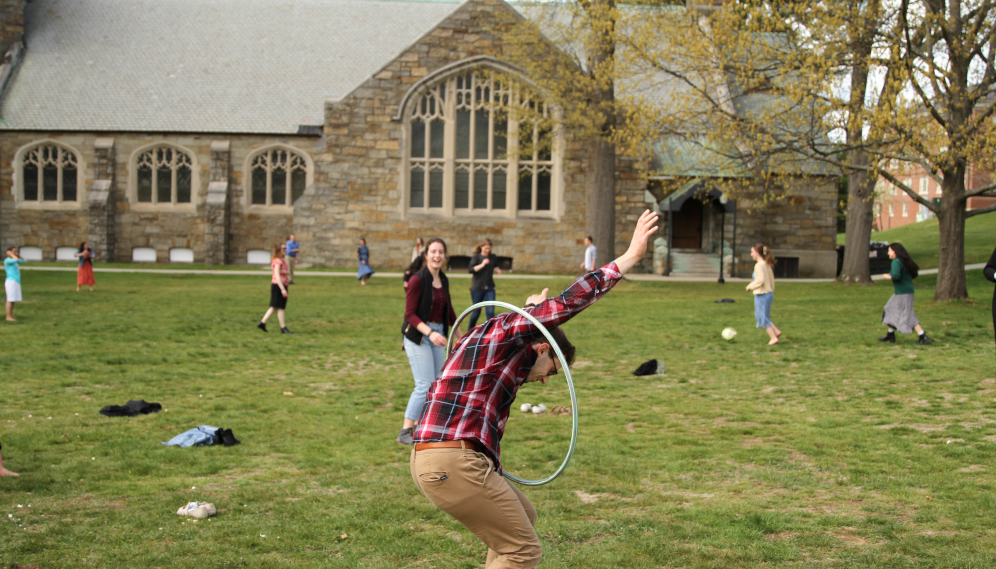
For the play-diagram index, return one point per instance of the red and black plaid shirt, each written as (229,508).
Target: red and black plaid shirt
(472,395)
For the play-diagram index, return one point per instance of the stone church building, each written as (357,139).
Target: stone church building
(206,132)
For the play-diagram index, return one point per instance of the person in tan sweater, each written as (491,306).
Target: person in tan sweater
(763,287)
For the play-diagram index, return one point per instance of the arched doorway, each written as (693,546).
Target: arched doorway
(687,232)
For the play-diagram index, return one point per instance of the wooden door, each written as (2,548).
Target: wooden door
(687,232)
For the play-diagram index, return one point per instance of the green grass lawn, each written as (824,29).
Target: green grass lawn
(828,450)
(921,239)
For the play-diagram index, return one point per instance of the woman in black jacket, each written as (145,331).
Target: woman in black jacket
(990,273)
(428,316)
(483,265)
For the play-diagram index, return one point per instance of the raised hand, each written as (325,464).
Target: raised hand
(646,226)
(538,298)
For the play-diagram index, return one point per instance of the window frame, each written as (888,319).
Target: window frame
(40,203)
(446,111)
(924,189)
(309,179)
(155,205)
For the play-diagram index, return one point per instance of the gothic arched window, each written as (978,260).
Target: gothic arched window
(49,173)
(479,145)
(278,176)
(164,175)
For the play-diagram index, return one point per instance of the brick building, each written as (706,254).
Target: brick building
(205,132)
(895,208)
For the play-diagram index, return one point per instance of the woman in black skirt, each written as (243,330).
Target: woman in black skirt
(278,289)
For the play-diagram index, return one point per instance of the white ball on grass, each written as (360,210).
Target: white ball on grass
(729,334)
(526,407)
(537,409)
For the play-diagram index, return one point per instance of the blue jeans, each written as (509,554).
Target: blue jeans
(762,309)
(480,296)
(427,361)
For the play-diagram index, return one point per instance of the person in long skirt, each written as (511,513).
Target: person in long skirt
(990,273)
(278,289)
(84,274)
(898,313)
(428,316)
(483,265)
(363,255)
(763,287)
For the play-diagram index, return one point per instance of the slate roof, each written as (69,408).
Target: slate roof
(239,66)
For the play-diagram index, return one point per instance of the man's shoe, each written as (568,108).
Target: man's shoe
(405,436)
(890,337)
(284,330)
(261,326)
(924,340)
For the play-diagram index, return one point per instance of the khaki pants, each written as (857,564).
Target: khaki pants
(463,483)
(291,261)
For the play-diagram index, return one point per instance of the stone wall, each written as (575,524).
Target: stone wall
(11,23)
(358,190)
(146,225)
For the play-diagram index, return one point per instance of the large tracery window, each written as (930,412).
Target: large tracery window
(164,175)
(279,176)
(49,173)
(479,145)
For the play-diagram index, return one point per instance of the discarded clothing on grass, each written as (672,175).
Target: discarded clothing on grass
(131,408)
(726,301)
(203,435)
(650,368)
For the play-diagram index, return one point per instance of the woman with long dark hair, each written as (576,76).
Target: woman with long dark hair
(898,313)
(763,286)
(278,289)
(84,274)
(483,265)
(428,316)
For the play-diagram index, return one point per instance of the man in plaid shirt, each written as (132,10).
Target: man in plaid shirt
(456,459)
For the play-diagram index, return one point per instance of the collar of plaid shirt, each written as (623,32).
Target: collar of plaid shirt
(472,396)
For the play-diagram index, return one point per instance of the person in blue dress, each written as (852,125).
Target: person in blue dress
(363,255)
(12,285)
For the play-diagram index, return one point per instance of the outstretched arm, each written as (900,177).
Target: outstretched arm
(590,287)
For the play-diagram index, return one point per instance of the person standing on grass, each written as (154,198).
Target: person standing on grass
(4,471)
(419,246)
(84,274)
(590,255)
(483,265)
(898,313)
(428,317)
(363,256)
(456,459)
(12,285)
(990,274)
(763,285)
(278,290)
(293,248)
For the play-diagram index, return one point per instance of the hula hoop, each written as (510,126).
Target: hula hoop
(567,375)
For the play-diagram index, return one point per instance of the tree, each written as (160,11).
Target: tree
(949,75)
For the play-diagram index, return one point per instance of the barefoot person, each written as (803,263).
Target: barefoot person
(278,290)
(428,317)
(483,265)
(12,285)
(84,274)
(456,462)
(763,286)
(898,313)
(4,471)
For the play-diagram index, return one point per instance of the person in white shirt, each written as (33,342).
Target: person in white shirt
(590,255)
